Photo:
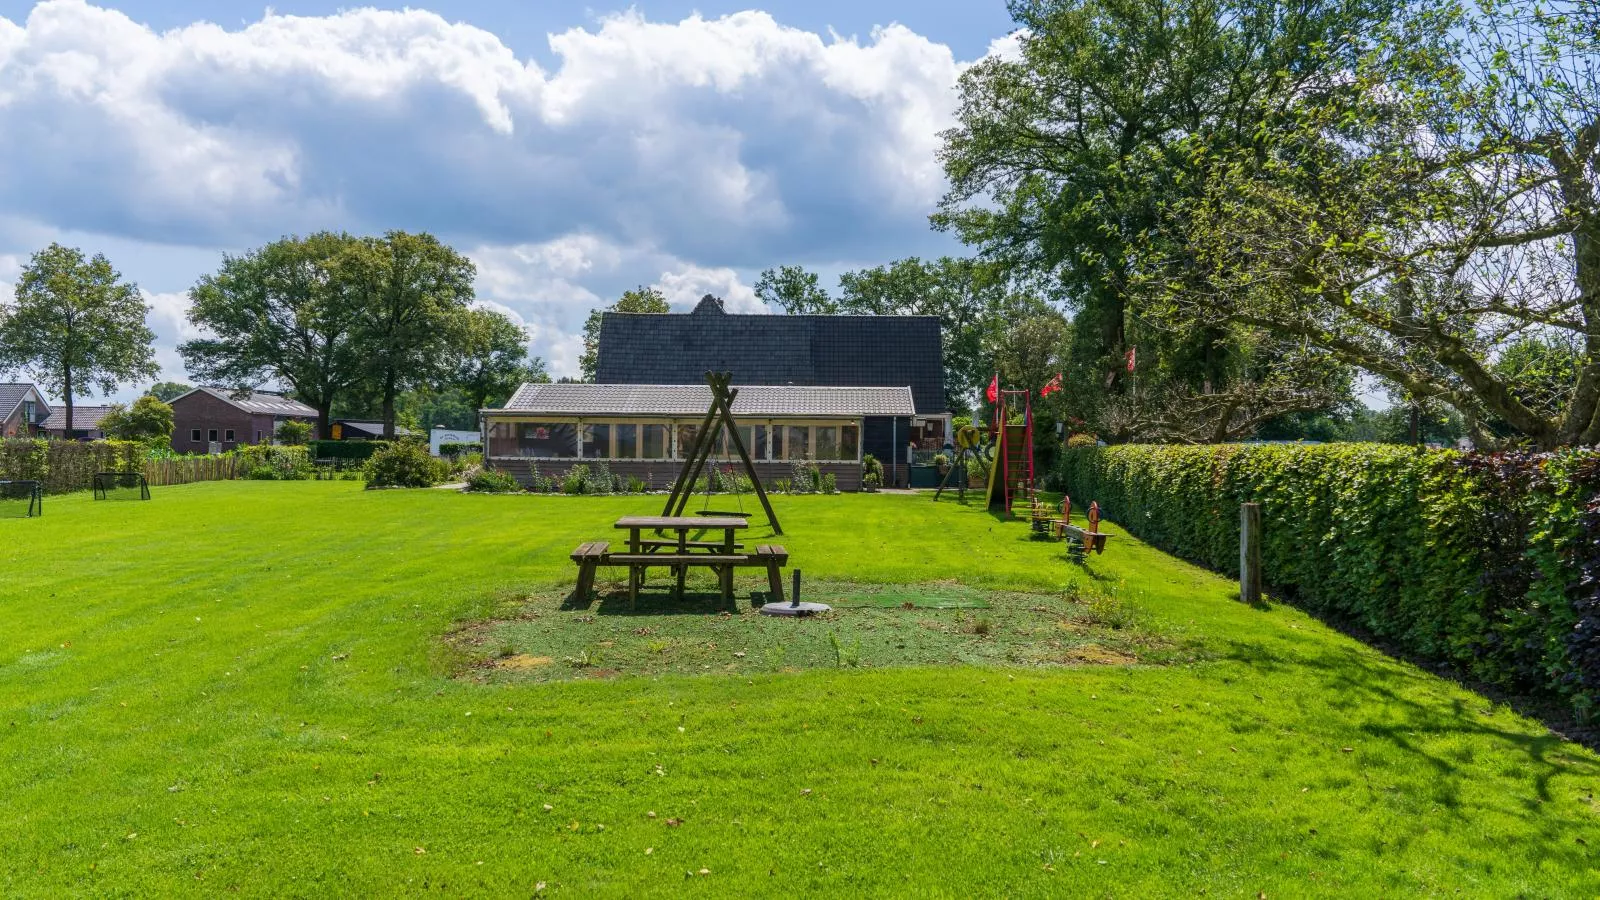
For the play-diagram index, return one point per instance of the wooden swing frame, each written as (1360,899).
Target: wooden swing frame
(719,418)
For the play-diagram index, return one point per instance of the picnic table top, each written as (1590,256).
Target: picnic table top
(681,523)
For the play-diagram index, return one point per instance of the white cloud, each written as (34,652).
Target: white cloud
(684,154)
(684,288)
(724,139)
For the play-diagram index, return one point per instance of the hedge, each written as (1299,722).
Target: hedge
(63,466)
(1488,561)
(357,450)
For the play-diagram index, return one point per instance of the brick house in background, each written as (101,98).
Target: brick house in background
(85,423)
(23,410)
(208,415)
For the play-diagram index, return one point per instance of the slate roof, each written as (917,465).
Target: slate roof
(259,403)
(695,399)
(84,418)
(12,395)
(837,351)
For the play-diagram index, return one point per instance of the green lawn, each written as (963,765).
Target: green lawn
(292,689)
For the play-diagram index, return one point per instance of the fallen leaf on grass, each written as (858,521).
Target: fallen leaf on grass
(674,823)
(649,850)
(418,851)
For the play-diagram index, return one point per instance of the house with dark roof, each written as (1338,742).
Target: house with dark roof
(23,410)
(352,430)
(823,389)
(211,417)
(85,423)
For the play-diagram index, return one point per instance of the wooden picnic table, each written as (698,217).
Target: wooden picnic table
(643,553)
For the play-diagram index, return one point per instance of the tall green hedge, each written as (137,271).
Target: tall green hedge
(64,466)
(1491,562)
(358,450)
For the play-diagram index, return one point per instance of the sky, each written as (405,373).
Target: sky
(572,150)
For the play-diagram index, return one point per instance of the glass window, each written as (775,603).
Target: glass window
(654,441)
(756,437)
(194,435)
(796,442)
(211,435)
(596,441)
(849,441)
(229,435)
(627,441)
(538,440)
(827,438)
(686,435)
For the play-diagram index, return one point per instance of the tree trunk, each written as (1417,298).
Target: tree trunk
(388,406)
(66,399)
(324,419)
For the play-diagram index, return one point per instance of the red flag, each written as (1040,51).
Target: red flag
(1130,355)
(1053,386)
(994,389)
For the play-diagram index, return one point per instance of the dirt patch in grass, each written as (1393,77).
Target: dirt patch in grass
(549,636)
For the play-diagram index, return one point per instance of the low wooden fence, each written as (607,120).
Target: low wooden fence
(189,469)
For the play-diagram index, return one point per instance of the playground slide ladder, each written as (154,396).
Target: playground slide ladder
(1012,476)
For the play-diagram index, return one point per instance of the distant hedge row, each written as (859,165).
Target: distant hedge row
(1491,562)
(345,449)
(63,466)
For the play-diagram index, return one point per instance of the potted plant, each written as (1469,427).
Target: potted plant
(942,463)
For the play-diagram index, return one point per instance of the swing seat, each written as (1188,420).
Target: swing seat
(722,513)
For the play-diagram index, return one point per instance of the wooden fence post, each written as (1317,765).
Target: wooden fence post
(1250,552)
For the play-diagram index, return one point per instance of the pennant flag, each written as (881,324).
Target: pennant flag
(994,389)
(1130,356)
(1053,386)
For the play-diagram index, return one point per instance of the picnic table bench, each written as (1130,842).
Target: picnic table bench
(680,554)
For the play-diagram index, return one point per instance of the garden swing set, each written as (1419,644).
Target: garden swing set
(717,423)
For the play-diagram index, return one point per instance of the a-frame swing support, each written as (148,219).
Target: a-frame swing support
(719,417)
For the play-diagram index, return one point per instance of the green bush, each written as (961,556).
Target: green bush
(575,480)
(404,464)
(830,484)
(492,481)
(354,450)
(1479,560)
(457,448)
(293,432)
(268,462)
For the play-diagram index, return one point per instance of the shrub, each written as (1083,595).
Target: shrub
(871,466)
(805,477)
(492,481)
(1080,439)
(576,479)
(294,432)
(830,485)
(637,485)
(1479,560)
(458,448)
(265,462)
(870,482)
(404,464)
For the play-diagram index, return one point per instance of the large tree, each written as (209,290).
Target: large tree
(168,391)
(795,290)
(1068,162)
(75,323)
(977,304)
(492,358)
(283,312)
(148,419)
(639,300)
(1436,224)
(410,289)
